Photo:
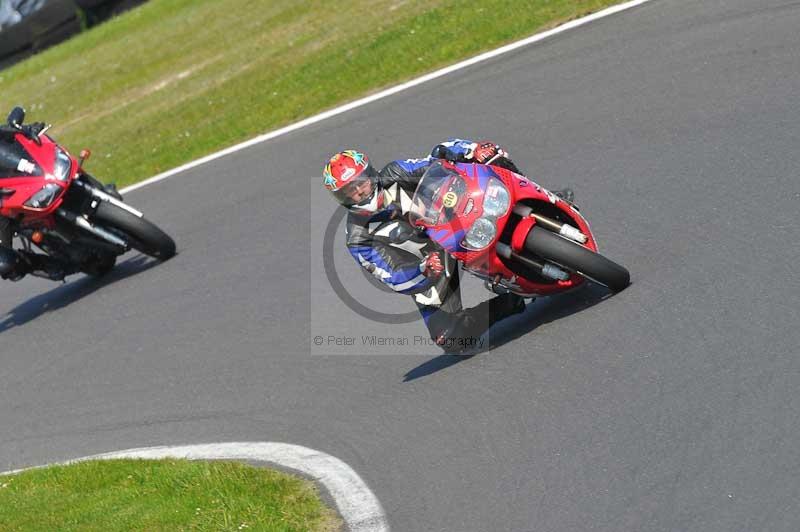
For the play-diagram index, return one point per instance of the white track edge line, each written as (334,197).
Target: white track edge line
(358,506)
(387,92)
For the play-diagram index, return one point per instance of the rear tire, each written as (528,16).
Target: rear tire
(142,235)
(573,256)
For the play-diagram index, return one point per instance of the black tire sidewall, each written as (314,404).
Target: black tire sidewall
(142,235)
(573,256)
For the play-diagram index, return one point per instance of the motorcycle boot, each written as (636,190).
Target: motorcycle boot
(471,323)
(12,267)
(505,305)
(42,266)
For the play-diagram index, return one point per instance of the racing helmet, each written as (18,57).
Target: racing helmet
(353,181)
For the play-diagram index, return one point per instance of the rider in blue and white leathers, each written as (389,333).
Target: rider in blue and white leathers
(382,241)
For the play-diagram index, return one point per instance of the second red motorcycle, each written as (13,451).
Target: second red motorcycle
(55,206)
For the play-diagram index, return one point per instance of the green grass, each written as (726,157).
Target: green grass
(160,495)
(177,79)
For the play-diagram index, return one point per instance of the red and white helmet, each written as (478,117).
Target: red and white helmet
(353,181)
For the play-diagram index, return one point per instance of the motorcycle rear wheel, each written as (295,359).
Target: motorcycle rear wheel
(575,257)
(142,235)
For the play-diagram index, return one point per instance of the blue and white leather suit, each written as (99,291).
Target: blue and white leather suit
(386,245)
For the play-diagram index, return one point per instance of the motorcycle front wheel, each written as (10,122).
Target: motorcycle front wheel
(141,234)
(573,256)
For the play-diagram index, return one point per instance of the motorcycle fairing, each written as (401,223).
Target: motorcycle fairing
(15,161)
(449,231)
(43,158)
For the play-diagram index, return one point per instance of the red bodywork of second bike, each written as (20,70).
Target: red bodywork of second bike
(33,176)
(51,203)
(467,207)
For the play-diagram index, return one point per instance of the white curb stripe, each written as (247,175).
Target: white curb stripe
(388,92)
(355,502)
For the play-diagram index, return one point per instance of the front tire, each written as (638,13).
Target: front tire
(142,235)
(573,256)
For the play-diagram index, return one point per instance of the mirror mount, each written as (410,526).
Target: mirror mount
(85,154)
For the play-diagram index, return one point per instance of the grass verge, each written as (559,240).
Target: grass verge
(174,80)
(155,495)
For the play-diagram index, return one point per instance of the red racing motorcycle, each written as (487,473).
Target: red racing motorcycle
(55,205)
(507,230)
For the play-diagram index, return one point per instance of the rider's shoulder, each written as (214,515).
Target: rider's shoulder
(392,169)
(401,168)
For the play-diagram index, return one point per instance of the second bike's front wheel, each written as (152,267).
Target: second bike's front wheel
(142,235)
(573,256)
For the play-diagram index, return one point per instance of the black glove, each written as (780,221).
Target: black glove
(441,152)
(33,130)
(485,151)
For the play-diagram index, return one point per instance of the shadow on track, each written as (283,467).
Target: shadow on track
(66,294)
(540,312)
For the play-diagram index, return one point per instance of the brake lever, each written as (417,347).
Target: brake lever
(35,134)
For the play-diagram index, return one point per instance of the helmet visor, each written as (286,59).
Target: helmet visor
(359,190)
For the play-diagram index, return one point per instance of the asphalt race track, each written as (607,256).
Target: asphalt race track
(671,406)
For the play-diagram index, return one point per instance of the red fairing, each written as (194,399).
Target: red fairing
(80,224)
(521,233)
(485,263)
(35,169)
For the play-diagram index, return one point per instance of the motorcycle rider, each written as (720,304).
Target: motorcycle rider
(383,242)
(16,264)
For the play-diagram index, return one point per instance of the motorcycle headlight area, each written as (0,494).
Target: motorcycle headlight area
(62,166)
(45,196)
(481,233)
(496,199)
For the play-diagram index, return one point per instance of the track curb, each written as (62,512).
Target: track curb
(357,505)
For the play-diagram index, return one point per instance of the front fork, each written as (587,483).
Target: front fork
(93,189)
(529,219)
(565,230)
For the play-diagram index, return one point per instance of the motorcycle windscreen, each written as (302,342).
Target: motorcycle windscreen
(439,193)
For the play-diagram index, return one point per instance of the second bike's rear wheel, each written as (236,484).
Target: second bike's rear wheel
(575,257)
(143,235)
